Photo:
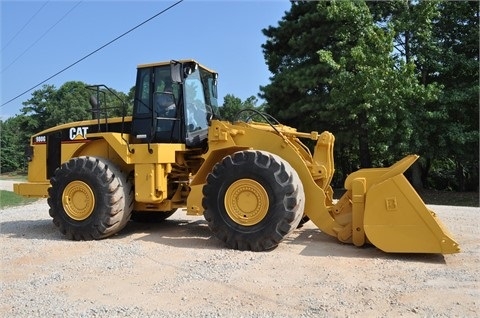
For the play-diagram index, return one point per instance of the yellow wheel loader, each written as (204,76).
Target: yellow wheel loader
(253,181)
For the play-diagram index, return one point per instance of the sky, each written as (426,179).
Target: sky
(41,38)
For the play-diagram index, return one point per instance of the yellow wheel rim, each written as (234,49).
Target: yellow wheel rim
(246,202)
(78,200)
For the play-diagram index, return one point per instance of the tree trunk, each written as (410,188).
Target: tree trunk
(363,142)
(416,175)
(426,171)
(460,176)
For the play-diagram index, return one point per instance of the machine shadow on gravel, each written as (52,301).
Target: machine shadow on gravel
(175,233)
(31,230)
(319,244)
(188,233)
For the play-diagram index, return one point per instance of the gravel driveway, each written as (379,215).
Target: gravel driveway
(177,269)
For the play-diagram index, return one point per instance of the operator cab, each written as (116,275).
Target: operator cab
(174,103)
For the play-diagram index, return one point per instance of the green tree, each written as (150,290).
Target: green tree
(130,99)
(69,103)
(372,95)
(441,38)
(48,107)
(37,109)
(393,77)
(233,105)
(114,103)
(13,140)
(298,90)
(333,69)
(456,135)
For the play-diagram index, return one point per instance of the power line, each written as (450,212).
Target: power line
(93,52)
(42,36)
(25,25)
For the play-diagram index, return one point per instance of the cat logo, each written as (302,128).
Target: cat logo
(78,133)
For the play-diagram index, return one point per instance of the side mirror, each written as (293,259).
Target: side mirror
(176,71)
(213,84)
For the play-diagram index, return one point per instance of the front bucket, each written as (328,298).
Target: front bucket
(395,217)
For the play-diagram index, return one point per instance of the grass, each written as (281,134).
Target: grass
(10,199)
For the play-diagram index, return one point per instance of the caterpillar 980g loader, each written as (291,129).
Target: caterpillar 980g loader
(253,181)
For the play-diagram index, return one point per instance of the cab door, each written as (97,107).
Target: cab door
(154,92)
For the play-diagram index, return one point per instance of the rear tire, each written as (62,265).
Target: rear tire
(90,198)
(253,200)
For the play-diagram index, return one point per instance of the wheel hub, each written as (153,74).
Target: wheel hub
(246,202)
(78,200)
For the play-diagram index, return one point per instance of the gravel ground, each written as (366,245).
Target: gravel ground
(177,269)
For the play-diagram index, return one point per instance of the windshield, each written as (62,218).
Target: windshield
(200,100)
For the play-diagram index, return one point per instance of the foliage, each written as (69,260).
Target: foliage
(232,107)
(387,78)
(457,33)
(50,107)
(13,141)
(445,50)
(298,90)
(371,93)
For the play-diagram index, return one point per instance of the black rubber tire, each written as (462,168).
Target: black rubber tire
(112,194)
(150,216)
(281,183)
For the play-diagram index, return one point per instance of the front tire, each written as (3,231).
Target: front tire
(90,198)
(253,200)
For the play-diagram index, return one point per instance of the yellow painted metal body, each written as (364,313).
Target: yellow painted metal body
(379,206)
(78,200)
(38,184)
(149,164)
(246,202)
(394,217)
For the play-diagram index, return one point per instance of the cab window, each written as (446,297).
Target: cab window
(196,117)
(143,95)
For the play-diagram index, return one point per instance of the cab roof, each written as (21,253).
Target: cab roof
(164,63)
